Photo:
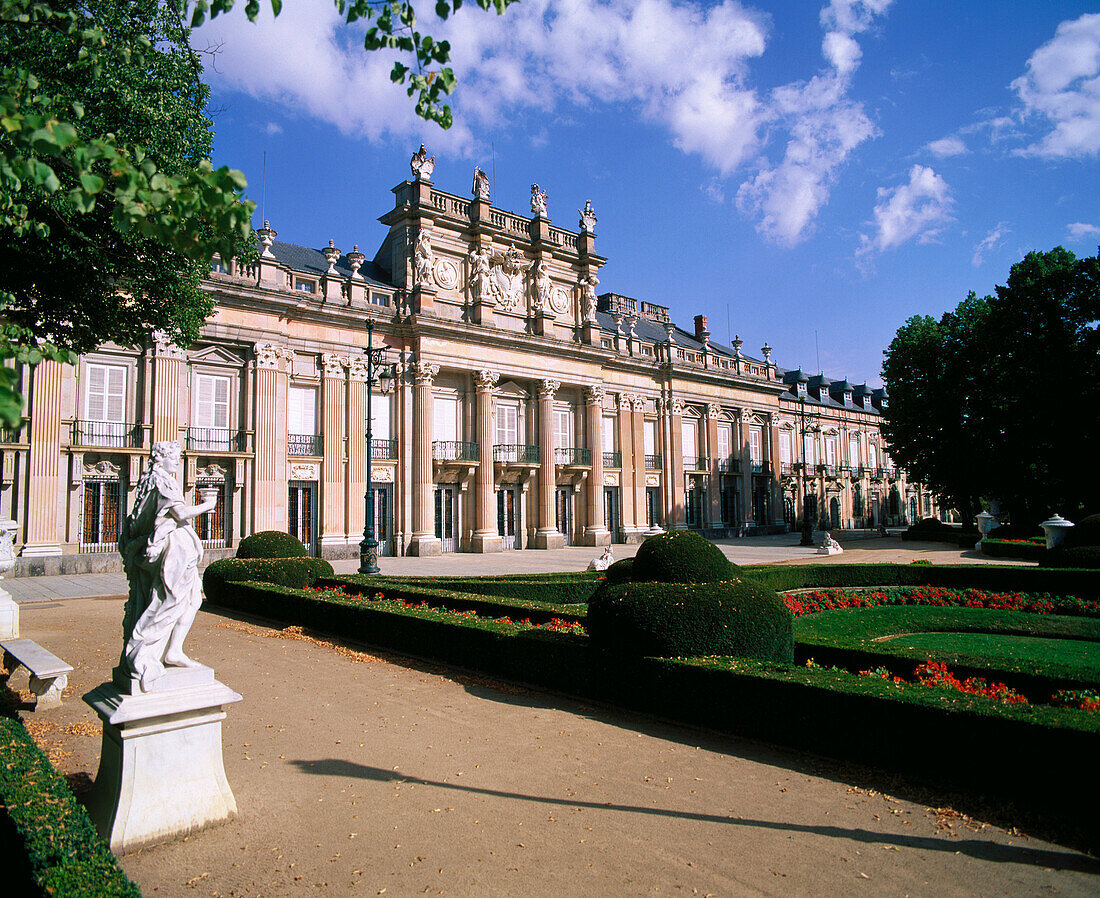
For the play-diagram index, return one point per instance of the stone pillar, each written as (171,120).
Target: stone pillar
(678,513)
(547,536)
(628,520)
(166,388)
(333,412)
(742,431)
(637,429)
(485,537)
(771,448)
(595,533)
(269,498)
(714,481)
(43,460)
(424,540)
(356,483)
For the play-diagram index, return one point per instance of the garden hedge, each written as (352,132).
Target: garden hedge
(297,572)
(271,544)
(741,618)
(573,588)
(852,719)
(1073,557)
(48,830)
(1001,548)
(622,571)
(681,556)
(1085,533)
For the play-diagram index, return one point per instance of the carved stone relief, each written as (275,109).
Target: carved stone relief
(559,300)
(446,274)
(593,394)
(424,372)
(301,471)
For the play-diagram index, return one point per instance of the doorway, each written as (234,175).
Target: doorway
(446,498)
(565,513)
(301,514)
(382,520)
(507,508)
(611,512)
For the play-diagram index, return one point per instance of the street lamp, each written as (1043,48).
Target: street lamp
(368,548)
(807,526)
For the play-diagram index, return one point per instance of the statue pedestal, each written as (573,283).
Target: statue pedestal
(160,769)
(9,616)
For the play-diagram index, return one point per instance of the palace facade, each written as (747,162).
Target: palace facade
(517,407)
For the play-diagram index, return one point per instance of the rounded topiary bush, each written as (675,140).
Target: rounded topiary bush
(296,572)
(1073,556)
(1086,532)
(735,617)
(271,544)
(681,556)
(622,571)
(929,524)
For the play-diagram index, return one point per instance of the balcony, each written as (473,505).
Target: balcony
(309,444)
(454,450)
(10,434)
(730,465)
(831,472)
(892,473)
(877,474)
(107,434)
(612,459)
(760,467)
(696,463)
(653,463)
(573,457)
(788,469)
(516,454)
(214,439)
(856,472)
(383,449)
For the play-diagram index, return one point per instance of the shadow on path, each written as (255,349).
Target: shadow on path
(976,848)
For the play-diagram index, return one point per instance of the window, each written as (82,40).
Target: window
(105,396)
(99,522)
(507,425)
(872,455)
(305,286)
(445,419)
(853,450)
(809,455)
(756,445)
(563,428)
(380,417)
(830,451)
(649,436)
(725,441)
(607,433)
(211,527)
(606,344)
(785,447)
(379,299)
(301,410)
(690,429)
(211,401)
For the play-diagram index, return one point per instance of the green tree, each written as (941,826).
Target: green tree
(110,210)
(1001,397)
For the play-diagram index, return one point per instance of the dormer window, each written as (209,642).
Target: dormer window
(305,286)
(800,390)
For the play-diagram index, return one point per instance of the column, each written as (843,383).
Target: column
(424,540)
(333,412)
(627,516)
(486,538)
(43,460)
(595,533)
(675,465)
(637,419)
(269,498)
(772,448)
(715,479)
(166,388)
(742,431)
(547,536)
(356,483)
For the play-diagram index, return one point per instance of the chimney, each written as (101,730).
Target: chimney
(701,328)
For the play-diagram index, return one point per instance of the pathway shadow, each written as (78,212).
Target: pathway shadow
(976,848)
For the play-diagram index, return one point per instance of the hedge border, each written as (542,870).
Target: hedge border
(854,724)
(569,588)
(65,856)
(1000,548)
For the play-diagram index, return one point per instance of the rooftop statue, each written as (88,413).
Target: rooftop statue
(481,184)
(422,164)
(588,218)
(538,200)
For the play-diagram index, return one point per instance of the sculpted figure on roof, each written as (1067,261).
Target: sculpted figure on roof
(422,164)
(480,187)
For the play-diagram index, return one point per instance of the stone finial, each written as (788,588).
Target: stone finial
(267,236)
(332,256)
(588,218)
(767,352)
(480,188)
(737,344)
(356,260)
(670,329)
(538,201)
(422,165)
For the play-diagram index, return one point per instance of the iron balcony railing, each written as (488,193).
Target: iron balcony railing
(696,463)
(516,453)
(787,468)
(10,434)
(653,463)
(111,434)
(729,465)
(215,439)
(877,473)
(760,467)
(831,471)
(612,459)
(892,473)
(384,449)
(857,472)
(454,450)
(572,455)
(305,444)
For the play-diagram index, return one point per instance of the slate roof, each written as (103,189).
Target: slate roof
(312,261)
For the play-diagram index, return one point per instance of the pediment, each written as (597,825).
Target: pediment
(216,355)
(509,389)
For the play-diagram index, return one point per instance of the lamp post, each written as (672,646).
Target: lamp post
(368,548)
(807,527)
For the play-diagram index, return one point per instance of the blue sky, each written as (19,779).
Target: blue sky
(822,170)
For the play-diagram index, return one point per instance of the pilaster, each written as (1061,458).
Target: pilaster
(595,533)
(356,488)
(678,512)
(547,536)
(270,495)
(424,540)
(43,460)
(333,417)
(714,481)
(485,536)
(167,361)
(627,512)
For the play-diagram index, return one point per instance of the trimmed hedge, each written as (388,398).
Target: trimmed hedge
(1084,584)
(271,544)
(998,548)
(63,852)
(681,556)
(741,618)
(297,572)
(1073,557)
(573,588)
(1085,533)
(621,571)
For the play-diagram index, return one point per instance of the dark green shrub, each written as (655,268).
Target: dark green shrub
(929,524)
(1015,531)
(296,572)
(1073,556)
(622,571)
(996,548)
(271,544)
(668,620)
(1085,533)
(681,556)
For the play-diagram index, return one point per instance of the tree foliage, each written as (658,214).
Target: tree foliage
(1000,398)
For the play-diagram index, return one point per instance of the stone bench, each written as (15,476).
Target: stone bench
(48,673)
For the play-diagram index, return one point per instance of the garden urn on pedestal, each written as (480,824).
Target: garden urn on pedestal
(986,522)
(1055,528)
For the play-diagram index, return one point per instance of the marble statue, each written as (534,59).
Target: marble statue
(603,562)
(588,218)
(588,288)
(542,286)
(481,277)
(538,200)
(161,553)
(423,259)
(829,546)
(480,187)
(422,164)
(9,611)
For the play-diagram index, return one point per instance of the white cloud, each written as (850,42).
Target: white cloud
(273,128)
(1062,85)
(1079,230)
(993,240)
(918,210)
(947,146)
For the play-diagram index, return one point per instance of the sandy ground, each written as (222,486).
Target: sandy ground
(361,775)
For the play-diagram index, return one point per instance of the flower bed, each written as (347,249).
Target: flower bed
(1018,549)
(1036,603)
(935,675)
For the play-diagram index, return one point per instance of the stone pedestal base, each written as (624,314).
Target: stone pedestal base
(486,543)
(549,539)
(597,537)
(423,546)
(9,616)
(544,324)
(160,769)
